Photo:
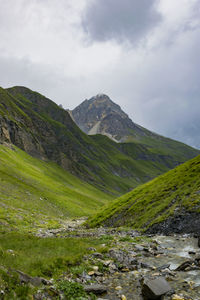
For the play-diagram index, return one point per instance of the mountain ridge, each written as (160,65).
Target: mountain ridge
(44,130)
(100,115)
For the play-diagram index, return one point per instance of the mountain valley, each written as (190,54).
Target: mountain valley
(83,210)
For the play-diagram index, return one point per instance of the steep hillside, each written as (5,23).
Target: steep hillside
(36,194)
(44,130)
(169,203)
(101,115)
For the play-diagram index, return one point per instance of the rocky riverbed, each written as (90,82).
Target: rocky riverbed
(131,263)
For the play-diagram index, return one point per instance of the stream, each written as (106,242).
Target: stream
(131,258)
(171,252)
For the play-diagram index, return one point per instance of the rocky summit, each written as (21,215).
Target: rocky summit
(101,115)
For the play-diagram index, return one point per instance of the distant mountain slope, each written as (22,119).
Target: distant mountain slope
(34,193)
(37,125)
(100,115)
(169,203)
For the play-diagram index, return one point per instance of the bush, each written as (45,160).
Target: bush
(72,290)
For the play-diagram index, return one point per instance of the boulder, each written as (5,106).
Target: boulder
(188,265)
(166,266)
(96,289)
(155,288)
(36,281)
(97,255)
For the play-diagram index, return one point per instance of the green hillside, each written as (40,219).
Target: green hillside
(176,192)
(37,194)
(40,127)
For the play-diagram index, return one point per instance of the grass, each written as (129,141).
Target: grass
(46,257)
(36,194)
(158,144)
(156,200)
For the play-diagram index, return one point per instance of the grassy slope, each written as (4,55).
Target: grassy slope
(34,193)
(154,201)
(158,144)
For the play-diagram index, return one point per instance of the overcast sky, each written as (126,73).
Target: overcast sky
(143,53)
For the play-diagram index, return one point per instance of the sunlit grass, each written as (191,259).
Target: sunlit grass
(156,200)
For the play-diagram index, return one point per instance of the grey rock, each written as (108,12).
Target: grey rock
(96,289)
(91,249)
(97,255)
(36,281)
(192,252)
(188,266)
(139,248)
(125,259)
(145,266)
(155,288)
(166,266)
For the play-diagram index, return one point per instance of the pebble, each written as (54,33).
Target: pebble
(125,270)
(176,297)
(91,273)
(118,288)
(106,263)
(95,268)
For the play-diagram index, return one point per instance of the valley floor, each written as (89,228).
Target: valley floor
(70,262)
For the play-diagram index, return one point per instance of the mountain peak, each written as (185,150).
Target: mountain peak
(103,99)
(101,96)
(101,115)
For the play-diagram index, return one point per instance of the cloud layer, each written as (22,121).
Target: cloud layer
(120,20)
(143,54)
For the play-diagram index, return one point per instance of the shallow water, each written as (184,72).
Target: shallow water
(174,251)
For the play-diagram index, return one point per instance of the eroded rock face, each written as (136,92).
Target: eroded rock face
(12,133)
(184,222)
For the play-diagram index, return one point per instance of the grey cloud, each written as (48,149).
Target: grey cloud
(45,79)
(120,19)
(157,86)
